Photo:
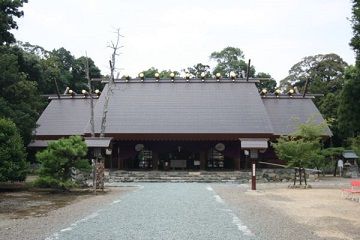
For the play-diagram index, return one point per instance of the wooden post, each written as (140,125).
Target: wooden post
(253,175)
(202,160)
(304,176)
(237,159)
(248,70)
(155,160)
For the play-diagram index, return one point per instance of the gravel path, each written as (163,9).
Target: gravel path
(185,211)
(162,211)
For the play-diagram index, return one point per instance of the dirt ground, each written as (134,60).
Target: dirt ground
(321,208)
(25,204)
(332,216)
(35,215)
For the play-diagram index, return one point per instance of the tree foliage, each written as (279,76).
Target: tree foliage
(20,100)
(198,69)
(150,73)
(59,159)
(355,40)
(349,108)
(269,84)
(13,165)
(349,104)
(28,71)
(302,148)
(46,67)
(8,10)
(230,59)
(325,73)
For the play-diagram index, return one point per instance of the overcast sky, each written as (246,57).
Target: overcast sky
(169,34)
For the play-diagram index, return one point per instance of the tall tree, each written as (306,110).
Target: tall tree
(13,166)
(325,73)
(349,105)
(230,59)
(20,100)
(355,40)
(79,73)
(8,10)
(349,109)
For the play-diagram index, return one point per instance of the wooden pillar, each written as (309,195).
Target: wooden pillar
(237,159)
(155,160)
(120,163)
(202,160)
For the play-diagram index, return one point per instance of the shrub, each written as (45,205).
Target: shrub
(59,159)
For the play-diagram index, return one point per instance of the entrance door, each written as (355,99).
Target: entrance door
(179,158)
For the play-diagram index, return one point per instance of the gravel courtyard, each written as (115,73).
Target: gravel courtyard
(197,211)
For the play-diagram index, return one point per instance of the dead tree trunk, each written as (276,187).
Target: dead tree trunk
(115,47)
(92,126)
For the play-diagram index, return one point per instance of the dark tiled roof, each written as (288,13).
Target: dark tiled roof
(286,113)
(167,107)
(180,108)
(64,117)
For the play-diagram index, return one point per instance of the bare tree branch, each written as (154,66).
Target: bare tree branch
(115,47)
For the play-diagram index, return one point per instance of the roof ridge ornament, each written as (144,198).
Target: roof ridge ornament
(172,76)
(157,76)
(187,77)
(218,76)
(202,75)
(233,76)
(142,76)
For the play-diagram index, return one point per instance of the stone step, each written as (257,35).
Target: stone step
(262,175)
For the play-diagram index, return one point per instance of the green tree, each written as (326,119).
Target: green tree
(230,59)
(59,159)
(355,145)
(198,69)
(349,108)
(355,40)
(8,10)
(150,73)
(325,73)
(20,100)
(79,73)
(302,148)
(349,105)
(46,67)
(166,73)
(332,154)
(13,165)
(269,84)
